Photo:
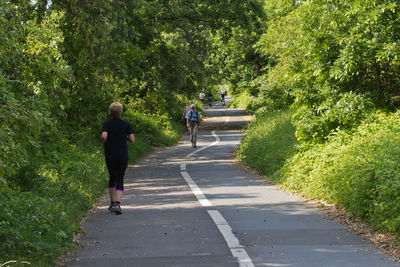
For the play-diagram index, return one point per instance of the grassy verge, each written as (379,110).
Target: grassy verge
(40,209)
(240,101)
(269,141)
(359,171)
(38,224)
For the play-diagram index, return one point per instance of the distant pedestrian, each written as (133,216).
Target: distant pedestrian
(185,112)
(202,95)
(210,98)
(222,98)
(114,134)
(193,122)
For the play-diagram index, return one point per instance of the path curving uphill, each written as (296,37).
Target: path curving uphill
(196,207)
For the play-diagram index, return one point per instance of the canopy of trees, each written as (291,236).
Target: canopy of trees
(333,61)
(62,62)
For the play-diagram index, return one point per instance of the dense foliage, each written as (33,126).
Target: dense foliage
(335,59)
(269,139)
(359,171)
(61,64)
(333,64)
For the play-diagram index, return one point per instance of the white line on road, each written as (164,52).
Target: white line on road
(234,245)
(196,190)
(217,140)
(183,167)
(237,250)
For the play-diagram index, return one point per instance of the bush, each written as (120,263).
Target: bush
(241,100)
(271,97)
(269,141)
(155,130)
(359,171)
(38,222)
(315,122)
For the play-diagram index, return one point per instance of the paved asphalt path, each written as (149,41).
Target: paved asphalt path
(204,210)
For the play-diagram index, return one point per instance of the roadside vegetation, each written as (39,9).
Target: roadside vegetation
(62,63)
(357,170)
(241,100)
(323,76)
(326,105)
(269,141)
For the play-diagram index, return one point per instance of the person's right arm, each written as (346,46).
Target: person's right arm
(104,137)
(187,119)
(184,113)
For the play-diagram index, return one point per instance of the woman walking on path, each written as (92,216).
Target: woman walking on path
(193,121)
(114,134)
(186,110)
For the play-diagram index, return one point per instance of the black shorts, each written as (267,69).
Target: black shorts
(116,169)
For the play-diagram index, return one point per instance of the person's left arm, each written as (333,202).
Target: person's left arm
(131,135)
(184,113)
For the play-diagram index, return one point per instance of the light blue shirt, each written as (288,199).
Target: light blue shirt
(193,115)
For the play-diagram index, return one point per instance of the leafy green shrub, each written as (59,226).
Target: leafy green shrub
(359,171)
(241,100)
(269,141)
(336,60)
(23,123)
(156,130)
(270,99)
(315,122)
(38,223)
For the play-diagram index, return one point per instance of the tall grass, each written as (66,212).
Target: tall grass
(241,100)
(269,141)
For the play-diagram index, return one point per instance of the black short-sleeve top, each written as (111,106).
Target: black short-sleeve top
(115,147)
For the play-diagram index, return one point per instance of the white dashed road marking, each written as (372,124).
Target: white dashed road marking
(217,140)
(234,245)
(183,167)
(196,190)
